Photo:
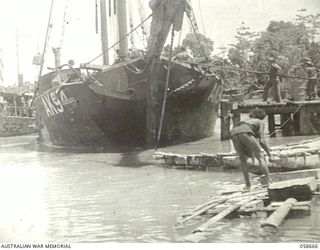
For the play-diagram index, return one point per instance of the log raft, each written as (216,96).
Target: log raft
(290,157)
(281,200)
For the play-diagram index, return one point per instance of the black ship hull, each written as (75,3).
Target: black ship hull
(110,112)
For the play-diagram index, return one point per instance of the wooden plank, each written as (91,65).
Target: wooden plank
(259,192)
(253,205)
(272,109)
(300,189)
(272,209)
(298,203)
(225,109)
(217,201)
(271,125)
(236,117)
(278,216)
(276,177)
(204,227)
(295,211)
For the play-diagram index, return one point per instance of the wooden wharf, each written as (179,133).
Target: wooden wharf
(297,117)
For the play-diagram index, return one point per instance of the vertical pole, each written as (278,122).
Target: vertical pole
(225,109)
(123,29)
(272,125)
(306,127)
(288,129)
(46,41)
(104,32)
(15,106)
(236,117)
(97,21)
(296,119)
(17,53)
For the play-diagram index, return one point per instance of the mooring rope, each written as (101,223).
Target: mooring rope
(285,123)
(166,89)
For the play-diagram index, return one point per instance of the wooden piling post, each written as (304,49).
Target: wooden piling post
(296,123)
(288,126)
(272,125)
(225,109)
(306,126)
(236,117)
(278,216)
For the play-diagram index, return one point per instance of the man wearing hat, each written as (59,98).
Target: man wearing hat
(273,81)
(311,90)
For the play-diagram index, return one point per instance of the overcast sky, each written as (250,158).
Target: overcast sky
(28,19)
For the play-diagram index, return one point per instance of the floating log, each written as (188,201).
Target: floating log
(215,202)
(204,227)
(278,216)
(300,189)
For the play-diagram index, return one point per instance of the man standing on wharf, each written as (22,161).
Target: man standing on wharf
(273,81)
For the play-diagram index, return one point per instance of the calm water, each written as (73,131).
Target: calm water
(68,197)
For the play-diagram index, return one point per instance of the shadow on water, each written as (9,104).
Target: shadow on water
(115,157)
(131,159)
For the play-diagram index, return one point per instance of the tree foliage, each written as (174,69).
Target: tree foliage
(198,45)
(290,43)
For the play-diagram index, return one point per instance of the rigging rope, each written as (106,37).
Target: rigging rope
(195,30)
(166,88)
(121,39)
(143,27)
(243,70)
(131,24)
(201,18)
(49,27)
(63,29)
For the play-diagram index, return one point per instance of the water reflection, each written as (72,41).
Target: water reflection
(131,159)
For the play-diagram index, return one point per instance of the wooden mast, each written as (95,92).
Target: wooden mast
(123,29)
(104,32)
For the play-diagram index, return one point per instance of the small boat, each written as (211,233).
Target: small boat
(16,117)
